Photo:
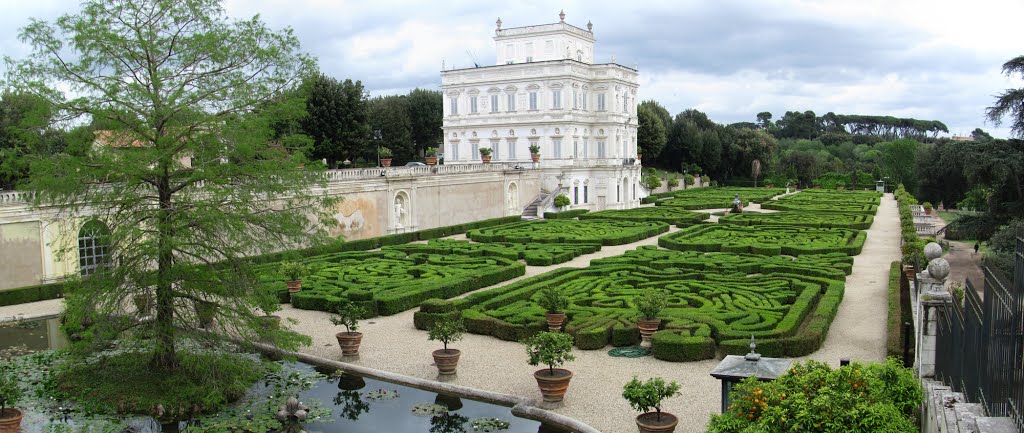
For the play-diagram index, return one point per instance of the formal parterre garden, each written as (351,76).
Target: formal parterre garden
(802,219)
(666,214)
(715,301)
(712,198)
(864,202)
(593,231)
(765,239)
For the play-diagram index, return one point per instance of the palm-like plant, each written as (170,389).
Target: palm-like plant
(1011,101)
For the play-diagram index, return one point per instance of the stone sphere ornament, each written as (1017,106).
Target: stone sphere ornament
(938,269)
(932,251)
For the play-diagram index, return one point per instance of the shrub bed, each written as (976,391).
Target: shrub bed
(568,214)
(765,239)
(818,206)
(22,295)
(788,303)
(666,214)
(596,231)
(833,196)
(713,198)
(533,254)
(801,219)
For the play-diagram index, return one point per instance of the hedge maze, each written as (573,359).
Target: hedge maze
(813,200)
(768,240)
(390,281)
(801,219)
(666,214)
(593,231)
(533,254)
(712,198)
(715,301)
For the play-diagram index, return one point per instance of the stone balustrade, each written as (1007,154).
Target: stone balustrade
(15,197)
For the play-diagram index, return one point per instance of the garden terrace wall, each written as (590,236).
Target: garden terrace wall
(788,303)
(666,214)
(801,219)
(597,231)
(765,239)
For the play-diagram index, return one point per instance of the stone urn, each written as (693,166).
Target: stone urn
(349,342)
(647,328)
(650,422)
(447,361)
(555,321)
(553,386)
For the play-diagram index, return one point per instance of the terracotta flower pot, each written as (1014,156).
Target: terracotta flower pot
(647,328)
(349,342)
(446,360)
(649,422)
(386,162)
(555,321)
(294,286)
(535,157)
(430,160)
(10,421)
(486,159)
(553,388)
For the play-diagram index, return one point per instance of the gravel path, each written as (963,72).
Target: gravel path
(595,396)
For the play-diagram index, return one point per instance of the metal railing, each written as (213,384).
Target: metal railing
(979,349)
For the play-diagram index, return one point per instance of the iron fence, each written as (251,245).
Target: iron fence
(979,348)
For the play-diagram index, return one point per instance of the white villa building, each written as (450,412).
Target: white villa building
(546,90)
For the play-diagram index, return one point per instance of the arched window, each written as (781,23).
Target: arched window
(93,247)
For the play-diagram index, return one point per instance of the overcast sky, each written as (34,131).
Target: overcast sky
(928,59)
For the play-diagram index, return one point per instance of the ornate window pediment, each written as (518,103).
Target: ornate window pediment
(532,87)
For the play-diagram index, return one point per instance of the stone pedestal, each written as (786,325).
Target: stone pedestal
(933,303)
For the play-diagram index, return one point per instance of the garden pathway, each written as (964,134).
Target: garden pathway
(595,396)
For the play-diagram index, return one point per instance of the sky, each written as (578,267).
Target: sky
(926,59)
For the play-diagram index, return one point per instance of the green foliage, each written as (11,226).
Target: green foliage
(652,182)
(769,240)
(649,303)
(594,231)
(832,180)
(384,152)
(430,151)
(912,246)
(10,393)
(553,300)
(338,118)
(27,131)
(711,198)
(562,200)
(1004,239)
(348,315)
(651,133)
(898,312)
(674,182)
(553,349)
(485,151)
(293,270)
(647,395)
(391,127)
(820,219)
(566,214)
(534,149)
(675,215)
(179,231)
(28,294)
(446,331)
(876,397)
(1010,102)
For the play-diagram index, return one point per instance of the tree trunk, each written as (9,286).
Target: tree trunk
(165,356)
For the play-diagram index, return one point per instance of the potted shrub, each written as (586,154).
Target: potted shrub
(293,271)
(554,303)
(552,349)
(10,417)
(385,156)
(430,155)
(649,304)
(561,201)
(485,155)
(672,183)
(535,152)
(644,396)
(446,330)
(348,314)
(927,207)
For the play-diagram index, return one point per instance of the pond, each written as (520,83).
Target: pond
(339,402)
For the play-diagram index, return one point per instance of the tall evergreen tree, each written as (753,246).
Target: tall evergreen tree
(337,119)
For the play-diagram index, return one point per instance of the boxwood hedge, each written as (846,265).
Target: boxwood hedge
(712,198)
(712,298)
(666,214)
(802,219)
(818,206)
(595,231)
(533,254)
(765,239)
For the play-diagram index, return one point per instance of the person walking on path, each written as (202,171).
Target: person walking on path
(977,245)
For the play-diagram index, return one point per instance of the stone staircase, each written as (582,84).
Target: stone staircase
(530,213)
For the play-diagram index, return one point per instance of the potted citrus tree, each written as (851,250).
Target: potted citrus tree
(561,201)
(385,156)
(649,304)
(294,272)
(10,417)
(554,303)
(535,152)
(430,155)
(446,330)
(644,396)
(485,155)
(348,314)
(553,349)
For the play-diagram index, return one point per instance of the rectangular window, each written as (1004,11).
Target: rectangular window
(472,104)
(512,151)
(600,102)
(511,102)
(625,104)
(575,195)
(475,151)
(455,151)
(618,193)
(586,197)
(557,99)
(576,149)
(455,105)
(557,144)
(494,103)
(510,52)
(497,150)
(586,148)
(575,99)
(600,148)
(549,46)
(529,51)
(533,100)
(584,100)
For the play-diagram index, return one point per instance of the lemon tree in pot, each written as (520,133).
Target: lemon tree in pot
(385,155)
(294,272)
(649,304)
(446,330)
(561,201)
(535,153)
(553,349)
(10,417)
(554,303)
(348,315)
(430,155)
(644,396)
(485,155)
